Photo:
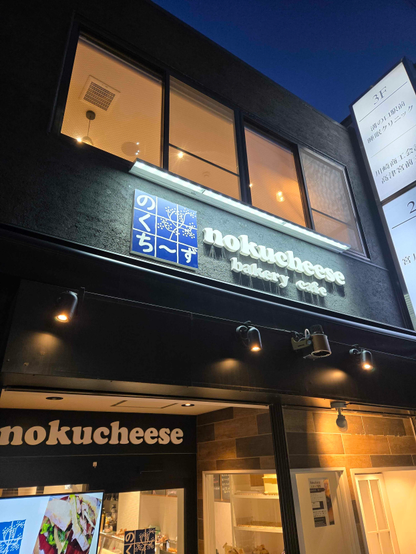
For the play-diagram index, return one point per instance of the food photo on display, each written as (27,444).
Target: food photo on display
(68,525)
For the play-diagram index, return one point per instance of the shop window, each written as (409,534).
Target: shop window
(158,510)
(330,202)
(274,183)
(242,513)
(202,144)
(113,105)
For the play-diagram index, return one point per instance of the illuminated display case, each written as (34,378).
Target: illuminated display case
(242,512)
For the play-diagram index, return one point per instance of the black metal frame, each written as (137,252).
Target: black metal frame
(82,27)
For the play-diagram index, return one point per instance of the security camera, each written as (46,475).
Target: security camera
(341,420)
(314,343)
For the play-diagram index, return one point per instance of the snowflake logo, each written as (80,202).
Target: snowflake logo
(11,534)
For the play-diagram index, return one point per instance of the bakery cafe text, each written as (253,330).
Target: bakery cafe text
(284,260)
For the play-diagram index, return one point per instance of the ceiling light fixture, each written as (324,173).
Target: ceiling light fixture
(250,336)
(66,304)
(313,342)
(54,398)
(180,154)
(341,420)
(366,357)
(90,115)
(187,405)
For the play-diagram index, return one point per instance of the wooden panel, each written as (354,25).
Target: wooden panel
(205,433)
(356,444)
(402,445)
(217,450)
(241,427)
(261,445)
(348,461)
(218,415)
(240,463)
(383,426)
(299,421)
(391,461)
(303,443)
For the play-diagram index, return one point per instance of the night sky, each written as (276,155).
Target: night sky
(326,52)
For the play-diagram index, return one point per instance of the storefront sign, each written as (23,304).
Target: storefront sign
(164,230)
(73,432)
(400,215)
(140,540)
(386,120)
(276,259)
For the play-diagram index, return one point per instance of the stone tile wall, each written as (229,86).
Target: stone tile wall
(230,439)
(370,441)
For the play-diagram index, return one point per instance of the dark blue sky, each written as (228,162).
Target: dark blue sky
(327,52)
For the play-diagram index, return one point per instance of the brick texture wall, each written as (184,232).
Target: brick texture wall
(370,441)
(230,439)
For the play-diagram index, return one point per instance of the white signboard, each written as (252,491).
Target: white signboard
(400,215)
(386,119)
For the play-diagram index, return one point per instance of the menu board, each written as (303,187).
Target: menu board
(50,524)
(225,488)
(386,121)
(400,215)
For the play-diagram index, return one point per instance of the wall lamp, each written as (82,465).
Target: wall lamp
(313,342)
(66,304)
(366,358)
(250,336)
(341,419)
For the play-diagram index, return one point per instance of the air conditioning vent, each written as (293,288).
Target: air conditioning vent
(99,94)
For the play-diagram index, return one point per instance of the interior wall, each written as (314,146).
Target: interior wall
(370,441)
(159,511)
(401,492)
(232,439)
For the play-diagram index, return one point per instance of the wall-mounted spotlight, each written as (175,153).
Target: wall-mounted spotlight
(341,419)
(366,358)
(250,336)
(314,343)
(66,304)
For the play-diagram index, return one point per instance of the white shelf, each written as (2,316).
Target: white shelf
(257,528)
(255,496)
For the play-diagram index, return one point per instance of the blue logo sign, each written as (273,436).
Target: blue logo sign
(164,230)
(139,541)
(11,534)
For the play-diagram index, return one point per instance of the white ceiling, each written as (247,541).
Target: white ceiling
(12,399)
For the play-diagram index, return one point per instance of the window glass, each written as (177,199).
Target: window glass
(202,140)
(331,206)
(113,106)
(273,179)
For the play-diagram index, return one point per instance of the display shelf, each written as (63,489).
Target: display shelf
(259,528)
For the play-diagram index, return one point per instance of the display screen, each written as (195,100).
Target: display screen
(386,120)
(51,524)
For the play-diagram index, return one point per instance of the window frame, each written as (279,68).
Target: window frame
(137,58)
(341,167)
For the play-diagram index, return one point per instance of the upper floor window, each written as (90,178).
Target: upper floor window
(118,107)
(331,207)
(274,183)
(202,144)
(113,105)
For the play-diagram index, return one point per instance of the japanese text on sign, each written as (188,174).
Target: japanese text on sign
(386,119)
(164,230)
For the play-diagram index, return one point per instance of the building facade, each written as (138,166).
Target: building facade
(180,208)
